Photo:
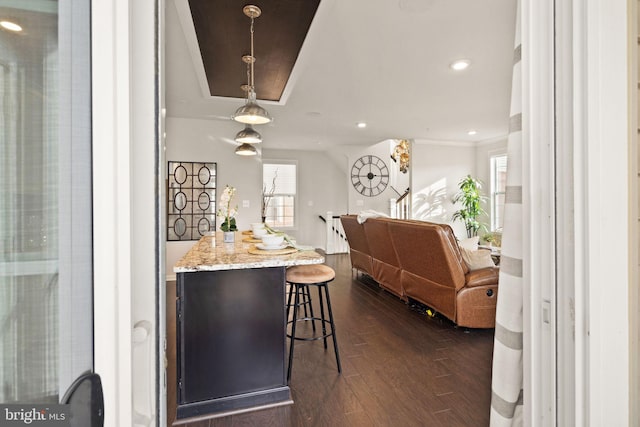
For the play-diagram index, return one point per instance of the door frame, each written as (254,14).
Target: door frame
(127,182)
(596,277)
(599,114)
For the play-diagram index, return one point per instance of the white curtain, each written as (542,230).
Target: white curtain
(506,387)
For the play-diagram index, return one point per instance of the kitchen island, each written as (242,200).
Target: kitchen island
(231,325)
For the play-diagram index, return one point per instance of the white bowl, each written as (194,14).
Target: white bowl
(257,225)
(259,232)
(272,239)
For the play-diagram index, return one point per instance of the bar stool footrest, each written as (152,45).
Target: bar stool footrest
(314,338)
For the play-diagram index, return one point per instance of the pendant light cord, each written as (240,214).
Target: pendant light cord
(248,81)
(253,58)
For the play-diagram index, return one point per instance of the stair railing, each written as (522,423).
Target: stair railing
(336,240)
(401,207)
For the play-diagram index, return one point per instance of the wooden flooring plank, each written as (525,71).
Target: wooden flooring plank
(400,366)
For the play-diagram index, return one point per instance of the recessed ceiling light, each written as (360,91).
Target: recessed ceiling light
(472,132)
(11,26)
(460,65)
(361,125)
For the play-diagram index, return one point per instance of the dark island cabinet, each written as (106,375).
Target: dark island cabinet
(231,340)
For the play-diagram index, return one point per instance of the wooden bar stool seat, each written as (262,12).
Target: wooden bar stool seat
(300,278)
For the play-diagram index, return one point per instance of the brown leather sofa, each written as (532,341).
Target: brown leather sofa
(422,261)
(358,246)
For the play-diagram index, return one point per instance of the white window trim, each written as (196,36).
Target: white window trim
(492,154)
(296,210)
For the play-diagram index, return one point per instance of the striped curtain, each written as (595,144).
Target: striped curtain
(506,387)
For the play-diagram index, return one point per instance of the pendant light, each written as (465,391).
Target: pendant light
(251,113)
(248,134)
(246,150)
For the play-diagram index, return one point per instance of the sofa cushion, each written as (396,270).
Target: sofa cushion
(386,267)
(477,259)
(482,277)
(470,244)
(455,248)
(426,250)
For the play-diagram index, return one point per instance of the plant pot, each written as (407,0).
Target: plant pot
(229,236)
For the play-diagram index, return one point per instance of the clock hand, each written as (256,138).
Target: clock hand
(370,175)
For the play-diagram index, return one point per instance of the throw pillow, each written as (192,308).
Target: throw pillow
(477,259)
(470,244)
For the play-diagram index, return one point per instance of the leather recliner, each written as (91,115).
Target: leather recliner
(422,261)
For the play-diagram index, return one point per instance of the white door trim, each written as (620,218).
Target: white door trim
(594,188)
(538,201)
(110,40)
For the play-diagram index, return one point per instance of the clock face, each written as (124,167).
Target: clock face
(369,175)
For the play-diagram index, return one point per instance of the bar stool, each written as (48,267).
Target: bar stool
(301,277)
(304,301)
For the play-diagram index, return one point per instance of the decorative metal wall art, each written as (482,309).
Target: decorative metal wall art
(191,195)
(401,154)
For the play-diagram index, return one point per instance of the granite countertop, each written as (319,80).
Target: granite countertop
(210,254)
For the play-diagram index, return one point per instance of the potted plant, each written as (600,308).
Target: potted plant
(493,238)
(470,196)
(228,214)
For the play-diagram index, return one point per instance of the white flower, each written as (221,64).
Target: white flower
(226,211)
(227,194)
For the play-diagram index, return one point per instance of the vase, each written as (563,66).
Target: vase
(229,236)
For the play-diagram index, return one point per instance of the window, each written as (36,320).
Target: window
(498,189)
(279,193)
(46,242)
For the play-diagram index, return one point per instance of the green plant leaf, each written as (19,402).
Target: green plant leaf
(471,198)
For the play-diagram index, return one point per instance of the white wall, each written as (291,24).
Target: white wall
(320,189)
(193,140)
(320,180)
(397,180)
(437,169)
(324,177)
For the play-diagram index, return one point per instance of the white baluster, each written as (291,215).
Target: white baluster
(329,231)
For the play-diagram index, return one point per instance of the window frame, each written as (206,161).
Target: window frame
(493,191)
(286,162)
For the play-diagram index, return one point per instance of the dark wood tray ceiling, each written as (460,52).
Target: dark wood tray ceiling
(222,30)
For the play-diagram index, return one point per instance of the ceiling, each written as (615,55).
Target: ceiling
(385,63)
(223,31)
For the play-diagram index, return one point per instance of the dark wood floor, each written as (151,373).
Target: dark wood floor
(399,367)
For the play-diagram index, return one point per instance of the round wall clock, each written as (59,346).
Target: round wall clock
(369,175)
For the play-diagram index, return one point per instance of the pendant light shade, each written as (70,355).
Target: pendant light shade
(248,135)
(246,150)
(251,113)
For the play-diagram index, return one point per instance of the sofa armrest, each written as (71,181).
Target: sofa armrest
(482,277)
